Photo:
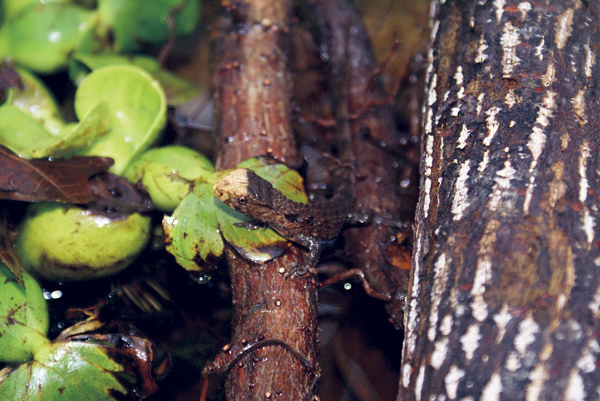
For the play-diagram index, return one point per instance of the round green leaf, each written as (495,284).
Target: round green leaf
(27,137)
(168,173)
(133,22)
(68,243)
(138,109)
(23,318)
(68,371)
(194,233)
(42,36)
(37,101)
(177,90)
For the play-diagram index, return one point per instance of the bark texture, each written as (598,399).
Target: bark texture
(253,89)
(504,301)
(367,138)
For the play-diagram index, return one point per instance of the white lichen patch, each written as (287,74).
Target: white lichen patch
(579,107)
(499,6)
(484,161)
(438,356)
(419,383)
(452,380)
(509,41)
(492,124)
(528,328)
(502,318)
(503,178)
(587,362)
(483,273)
(446,325)
(440,278)
(549,77)
(479,103)
(524,7)
(539,48)
(493,388)
(461,191)
(458,76)
(538,376)
(594,304)
(510,99)
(575,390)
(588,221)
(480,55)
(462,137)
(590,60)
(537,141)
(470,341)
(583,181)
(512,362)
(563,28)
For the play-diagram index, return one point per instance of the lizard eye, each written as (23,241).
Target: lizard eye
(242,200)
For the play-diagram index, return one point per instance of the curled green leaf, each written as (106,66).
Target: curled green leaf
(177,90)
(194,233)
(23,318)
(138,111)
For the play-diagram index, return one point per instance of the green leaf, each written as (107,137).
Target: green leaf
(31,125)
(133,22)
(168,173)
(37,101)
(177,90)
(138,109)
(68,371)
(191,233)
(42,36)
(23,318)
(18,131)
(194,233)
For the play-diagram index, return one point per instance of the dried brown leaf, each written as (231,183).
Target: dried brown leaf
(63,180)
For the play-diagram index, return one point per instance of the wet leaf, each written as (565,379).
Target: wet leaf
(177,90)
(43,180)
(23,318)
(8,254)
(137,107)
(31,125)
(42,36)
(34,98)
(168,174)
(133,22)
(68,371)
(9,78)
(194,233)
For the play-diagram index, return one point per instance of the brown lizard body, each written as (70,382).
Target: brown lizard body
(302,223)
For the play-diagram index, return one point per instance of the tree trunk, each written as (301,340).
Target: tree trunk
(504,296)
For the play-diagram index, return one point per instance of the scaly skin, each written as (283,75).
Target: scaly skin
(304,224)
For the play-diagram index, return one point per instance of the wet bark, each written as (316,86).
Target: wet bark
(505,288)
(367,138)
(253,89)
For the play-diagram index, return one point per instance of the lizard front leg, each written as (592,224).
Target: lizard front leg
(309,267)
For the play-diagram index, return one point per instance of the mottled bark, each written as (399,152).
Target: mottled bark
(505,288)
(253,89)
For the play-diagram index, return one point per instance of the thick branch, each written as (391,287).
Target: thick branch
(253,87)
(506,280)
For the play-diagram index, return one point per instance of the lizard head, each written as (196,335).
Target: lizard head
(245,192)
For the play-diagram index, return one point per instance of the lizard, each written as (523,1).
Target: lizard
(303,223)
